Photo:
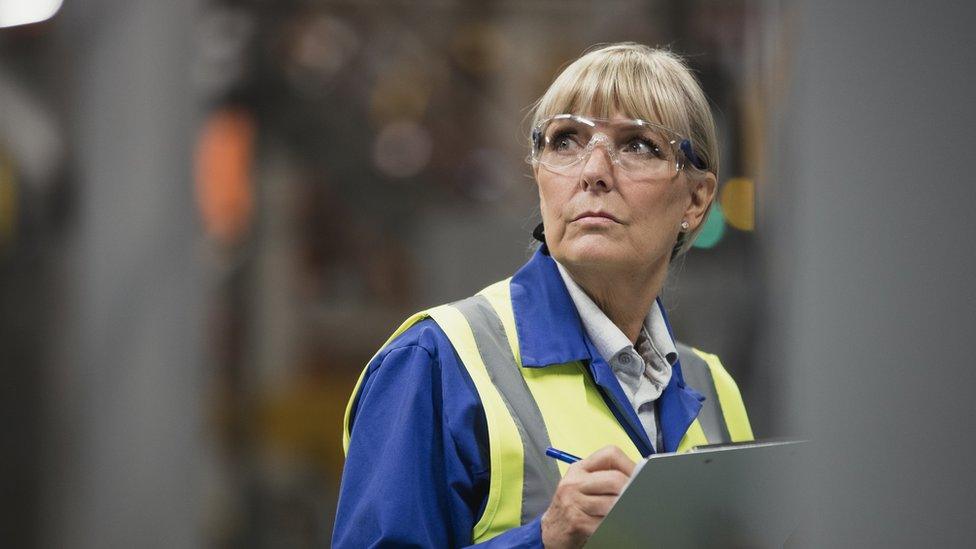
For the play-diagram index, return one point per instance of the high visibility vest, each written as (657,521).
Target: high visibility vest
(530,409)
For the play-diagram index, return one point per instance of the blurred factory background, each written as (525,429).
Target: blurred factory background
(213,212)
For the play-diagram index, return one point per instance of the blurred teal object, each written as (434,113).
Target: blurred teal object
(714,228)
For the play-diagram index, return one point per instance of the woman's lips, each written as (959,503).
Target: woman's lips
(596,218)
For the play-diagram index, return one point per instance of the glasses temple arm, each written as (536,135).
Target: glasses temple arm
(689,151)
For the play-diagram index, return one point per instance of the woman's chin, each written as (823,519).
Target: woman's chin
(593,249)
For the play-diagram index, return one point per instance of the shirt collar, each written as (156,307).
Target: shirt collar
(660,333)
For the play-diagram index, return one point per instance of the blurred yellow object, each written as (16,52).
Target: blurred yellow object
(480,48)
(403,92)
(738,199)
(304,421)
(8,201)
(224,158)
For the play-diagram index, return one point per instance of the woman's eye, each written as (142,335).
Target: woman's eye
(642,146)
(563,142)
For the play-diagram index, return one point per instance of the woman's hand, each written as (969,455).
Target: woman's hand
(584,496)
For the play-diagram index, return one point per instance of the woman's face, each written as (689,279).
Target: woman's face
(605,217)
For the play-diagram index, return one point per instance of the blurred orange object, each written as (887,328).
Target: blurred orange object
(223,164)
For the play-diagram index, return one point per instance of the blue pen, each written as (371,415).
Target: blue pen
(561,456)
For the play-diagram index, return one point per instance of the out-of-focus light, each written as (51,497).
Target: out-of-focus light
(224,158)
(37,148)
(738,199)
(402,149)
(713,230)
(25,12)
(325,45)
(318,49)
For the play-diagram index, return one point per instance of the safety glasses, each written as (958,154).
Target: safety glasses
(561,143)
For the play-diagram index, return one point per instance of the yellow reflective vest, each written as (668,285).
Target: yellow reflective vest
(529,409)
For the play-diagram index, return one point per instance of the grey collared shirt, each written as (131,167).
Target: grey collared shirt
(644,371)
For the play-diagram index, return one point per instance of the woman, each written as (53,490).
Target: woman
(447,428)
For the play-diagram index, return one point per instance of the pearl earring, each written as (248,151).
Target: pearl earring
(684,225)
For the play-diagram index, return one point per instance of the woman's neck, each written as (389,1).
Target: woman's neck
(625,296)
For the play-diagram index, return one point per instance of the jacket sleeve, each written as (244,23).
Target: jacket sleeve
(417,469)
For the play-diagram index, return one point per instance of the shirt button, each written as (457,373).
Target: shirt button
(625,358)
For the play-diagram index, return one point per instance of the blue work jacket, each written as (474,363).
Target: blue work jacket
(417,467)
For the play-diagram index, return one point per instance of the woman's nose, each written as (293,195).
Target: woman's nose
(598,167)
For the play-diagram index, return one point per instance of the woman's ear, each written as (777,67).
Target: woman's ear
(703,189)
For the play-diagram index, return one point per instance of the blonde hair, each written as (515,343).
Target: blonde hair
(640,82)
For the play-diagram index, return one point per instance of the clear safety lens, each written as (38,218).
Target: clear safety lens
(562,142)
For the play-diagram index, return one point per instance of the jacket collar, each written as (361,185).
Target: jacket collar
(549,328)
(550,331)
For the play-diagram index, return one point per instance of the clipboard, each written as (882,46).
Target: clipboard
(735,495)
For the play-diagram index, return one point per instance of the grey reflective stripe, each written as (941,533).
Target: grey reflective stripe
(698,376)
(540,472)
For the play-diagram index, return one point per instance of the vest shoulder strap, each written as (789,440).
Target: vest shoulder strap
(347,417)
(723,417)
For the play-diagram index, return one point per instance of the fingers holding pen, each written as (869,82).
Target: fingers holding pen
(608,458)
(584,496)
(603,483)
